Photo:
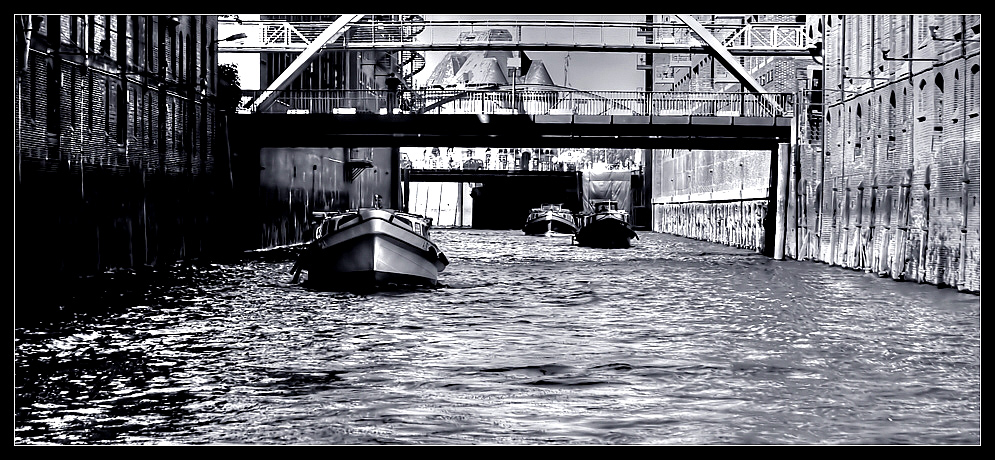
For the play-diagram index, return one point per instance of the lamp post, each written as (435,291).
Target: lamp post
(514,63)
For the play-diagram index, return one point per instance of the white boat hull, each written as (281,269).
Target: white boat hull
(373,251)
(550,219)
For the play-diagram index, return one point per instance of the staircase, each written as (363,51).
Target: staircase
(412,62)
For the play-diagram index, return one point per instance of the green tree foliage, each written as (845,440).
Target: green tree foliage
(229,89)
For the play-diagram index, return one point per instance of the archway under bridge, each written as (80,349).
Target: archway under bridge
(251,133)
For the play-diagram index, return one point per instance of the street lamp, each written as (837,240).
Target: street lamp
(231,38)
(514,63)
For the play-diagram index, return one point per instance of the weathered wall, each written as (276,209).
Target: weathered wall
(733,223)
(115,154)
(293,182)
(889,181)
(902,190)
(718,196)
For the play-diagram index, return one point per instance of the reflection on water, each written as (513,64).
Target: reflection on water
(527,340)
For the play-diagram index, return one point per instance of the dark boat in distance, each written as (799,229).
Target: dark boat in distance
(370,247)
(606,227)
(550,219)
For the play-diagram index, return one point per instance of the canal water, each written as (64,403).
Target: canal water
(527,341)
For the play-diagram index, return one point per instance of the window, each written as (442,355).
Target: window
(91,87)
(180,75)
(33,86)
(122,117)
(151,134)
(973,89)
(77,31)
(955,101)
(893,107)
(150,42)
(132,114)
(134,41)
(859,133)
(139,117)
(938,102)
(171,58)
(902,31)
(108,97)
(172,124)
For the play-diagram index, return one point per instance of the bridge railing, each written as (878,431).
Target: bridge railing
(531,101)
(480,32)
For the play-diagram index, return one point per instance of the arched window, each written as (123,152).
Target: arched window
(973,89)
(938,114)
(121,113)
(892,109)
(858,137)
(869,121)
(921,101)
(955,100)
(938,101)
(180,69)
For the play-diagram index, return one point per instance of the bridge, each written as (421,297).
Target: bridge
(682,34)
(531,116)
(415,33)
(516,114)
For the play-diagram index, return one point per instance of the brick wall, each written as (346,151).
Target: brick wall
(88,141)
(902,158)
(893,185)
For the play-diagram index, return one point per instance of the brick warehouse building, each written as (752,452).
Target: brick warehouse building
(117,161)
(902,166)
(885,171)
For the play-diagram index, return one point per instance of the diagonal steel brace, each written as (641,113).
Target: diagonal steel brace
(727,60)
(330,34)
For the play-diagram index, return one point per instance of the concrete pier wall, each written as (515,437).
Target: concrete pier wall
(719,196)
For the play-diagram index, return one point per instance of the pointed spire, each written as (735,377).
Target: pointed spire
(538,75)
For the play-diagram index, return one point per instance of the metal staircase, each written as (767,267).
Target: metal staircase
(412,62)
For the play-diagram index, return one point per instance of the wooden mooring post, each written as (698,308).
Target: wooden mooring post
(781,218)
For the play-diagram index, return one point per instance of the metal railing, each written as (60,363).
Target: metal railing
(532,101)
(628,36)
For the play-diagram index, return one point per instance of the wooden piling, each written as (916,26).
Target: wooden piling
(781,217)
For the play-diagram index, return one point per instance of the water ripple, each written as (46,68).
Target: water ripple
(527,340)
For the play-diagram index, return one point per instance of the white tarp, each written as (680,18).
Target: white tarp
(608,185)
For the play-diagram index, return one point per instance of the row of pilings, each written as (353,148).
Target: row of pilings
(738,223)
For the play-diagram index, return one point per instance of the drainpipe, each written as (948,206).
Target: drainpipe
(962,277)
(822,140)
(843,125)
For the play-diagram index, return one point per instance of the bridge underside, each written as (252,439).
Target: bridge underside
(509,130)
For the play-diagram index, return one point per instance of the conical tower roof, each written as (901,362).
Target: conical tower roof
(537,74)
(483,72)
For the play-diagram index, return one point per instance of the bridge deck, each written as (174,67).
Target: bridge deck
(482,175)
(510,130)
